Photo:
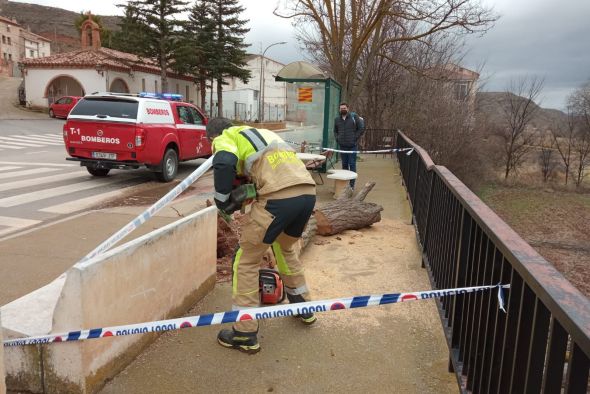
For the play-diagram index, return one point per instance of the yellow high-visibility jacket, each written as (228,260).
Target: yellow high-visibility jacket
(259,154)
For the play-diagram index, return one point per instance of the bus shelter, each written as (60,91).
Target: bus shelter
(312,104)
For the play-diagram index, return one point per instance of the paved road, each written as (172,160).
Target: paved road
(38,185)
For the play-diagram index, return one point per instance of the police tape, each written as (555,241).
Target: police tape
(392,150)
(268,312)
(151,211)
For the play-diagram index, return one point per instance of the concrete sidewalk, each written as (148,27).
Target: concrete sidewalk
(396,348)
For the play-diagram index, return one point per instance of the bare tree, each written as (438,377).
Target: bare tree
(580,104)
(337,33)
(582,153)
(563,141)
(519,109)
(546,160)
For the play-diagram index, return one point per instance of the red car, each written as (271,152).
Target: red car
(61,108)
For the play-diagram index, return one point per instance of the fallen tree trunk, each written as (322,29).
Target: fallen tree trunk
(347,213)
(340,215)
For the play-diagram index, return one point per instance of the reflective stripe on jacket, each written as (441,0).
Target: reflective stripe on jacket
(263,156)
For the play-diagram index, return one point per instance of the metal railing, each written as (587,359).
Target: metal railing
(542,343)
(375,139)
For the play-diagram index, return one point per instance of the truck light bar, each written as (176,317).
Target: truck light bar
(162,96)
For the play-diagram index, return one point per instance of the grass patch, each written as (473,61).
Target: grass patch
(556,223)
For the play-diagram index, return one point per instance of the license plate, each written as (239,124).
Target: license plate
(104,155)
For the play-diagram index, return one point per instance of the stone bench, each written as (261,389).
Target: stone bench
(341,179)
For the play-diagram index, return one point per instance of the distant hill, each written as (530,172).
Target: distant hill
(56,24)
(491,104)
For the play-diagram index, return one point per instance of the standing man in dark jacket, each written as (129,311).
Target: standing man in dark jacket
(348,129)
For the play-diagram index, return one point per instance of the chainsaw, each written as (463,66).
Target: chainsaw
(271,287)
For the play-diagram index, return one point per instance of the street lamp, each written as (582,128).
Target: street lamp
(261,93)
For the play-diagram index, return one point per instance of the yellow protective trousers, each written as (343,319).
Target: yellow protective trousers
(254,242)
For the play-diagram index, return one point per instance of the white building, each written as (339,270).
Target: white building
(242,100)
(96,69)
(33,45)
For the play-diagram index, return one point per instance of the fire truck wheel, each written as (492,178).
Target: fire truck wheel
(98,171)
(169,166)
(51,114)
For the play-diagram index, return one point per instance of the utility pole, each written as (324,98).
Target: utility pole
(261,93)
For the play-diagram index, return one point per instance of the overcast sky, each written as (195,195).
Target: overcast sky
(547,38)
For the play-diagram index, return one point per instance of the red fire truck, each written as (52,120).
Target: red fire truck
(107,131)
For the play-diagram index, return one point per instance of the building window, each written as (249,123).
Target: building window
(187,90)
(5,56)
(32,53)
(3,39)
(461,90)
(143,84)
(10,56)
(155,86)
(8,28)
(8,39)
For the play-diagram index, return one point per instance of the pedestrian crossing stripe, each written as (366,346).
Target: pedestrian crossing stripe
(8,168)
(4,141)
(28,163)
(84,203)
(46,137)
(43,180)
(13,224)
(44,194)
(34,141)
(33,171)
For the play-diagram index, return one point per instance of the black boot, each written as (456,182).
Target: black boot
(306,318)
(246,342)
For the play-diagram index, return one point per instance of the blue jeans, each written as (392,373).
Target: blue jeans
(349,161)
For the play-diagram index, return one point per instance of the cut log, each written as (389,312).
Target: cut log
(340,215)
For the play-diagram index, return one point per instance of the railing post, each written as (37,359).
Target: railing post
(428,213)
(463,247)
(415,185)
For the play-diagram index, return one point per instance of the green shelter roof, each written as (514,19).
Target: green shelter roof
(300,70)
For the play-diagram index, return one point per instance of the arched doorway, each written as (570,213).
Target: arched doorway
(63,85)
(119,86)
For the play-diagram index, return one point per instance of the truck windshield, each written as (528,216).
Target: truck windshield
(99,106)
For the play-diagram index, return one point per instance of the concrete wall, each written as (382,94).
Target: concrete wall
(37,81)
(2,375)
(157,276)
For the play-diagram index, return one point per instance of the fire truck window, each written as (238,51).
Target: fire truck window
(184,114)
(116,108)
(198,119)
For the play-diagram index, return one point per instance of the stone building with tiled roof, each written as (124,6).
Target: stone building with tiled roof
(96,69)
(17,43)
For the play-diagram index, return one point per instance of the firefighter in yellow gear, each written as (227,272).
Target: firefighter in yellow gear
(285,198)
